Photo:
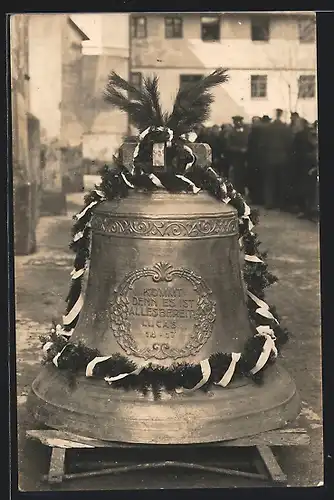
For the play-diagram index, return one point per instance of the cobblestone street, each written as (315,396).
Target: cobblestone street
(42,281)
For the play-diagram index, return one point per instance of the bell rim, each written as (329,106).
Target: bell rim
(192,418)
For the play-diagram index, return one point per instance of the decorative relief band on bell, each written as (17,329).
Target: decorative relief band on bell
(139,227)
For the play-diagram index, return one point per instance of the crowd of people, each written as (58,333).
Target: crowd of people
(270,162)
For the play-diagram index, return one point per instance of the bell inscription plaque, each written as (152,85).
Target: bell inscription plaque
(161,312)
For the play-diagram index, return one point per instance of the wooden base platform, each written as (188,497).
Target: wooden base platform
(264,463)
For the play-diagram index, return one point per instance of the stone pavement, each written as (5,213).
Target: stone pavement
(42,282)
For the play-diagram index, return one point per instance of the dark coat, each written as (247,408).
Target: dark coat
(305,150)
(276,141)
(253,149)
(237,140)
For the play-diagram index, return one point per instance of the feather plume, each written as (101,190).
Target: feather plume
(142,105)
(191,108)
(193,100)
(151,90)
(116,81)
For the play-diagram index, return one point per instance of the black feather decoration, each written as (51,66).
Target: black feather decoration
(151,91)
(192,103)
(191,108)
(142,106)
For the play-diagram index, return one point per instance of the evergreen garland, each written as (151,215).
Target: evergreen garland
(75,357)
(191,108)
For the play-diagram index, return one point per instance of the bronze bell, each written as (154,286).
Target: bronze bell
(164,286)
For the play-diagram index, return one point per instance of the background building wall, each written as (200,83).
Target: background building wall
(45,63)
(71,97)
(104,127)
(46,71)
(283,59)
(71,129)
(25,141)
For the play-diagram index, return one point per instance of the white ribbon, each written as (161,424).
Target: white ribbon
(76,274)
(55,359)
(212,170)
(156,181)
(266,330)
(110,380)
(247,210)
(61,332)
(193,158)
(142,135)
(263,308)
(99,193)
(83,212)
(257,301)
(223,187)
(73,313)
(250,223)
(206,372)
(265,313)
(189,136)
(170,138)
(47,346)
(268,348)
(188,181)
(78,236)
(64,333)
(253,258)
(226,379)
(91,365)
(128,183)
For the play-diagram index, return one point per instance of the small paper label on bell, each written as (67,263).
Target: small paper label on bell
(158,154)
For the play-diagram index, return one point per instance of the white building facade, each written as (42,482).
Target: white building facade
(108,49)
(271,58)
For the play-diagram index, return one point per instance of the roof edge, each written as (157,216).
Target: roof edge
(76,27)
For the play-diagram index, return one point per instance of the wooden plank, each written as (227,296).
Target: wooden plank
(57,465)
(271,464)
(280,437)
(60,439)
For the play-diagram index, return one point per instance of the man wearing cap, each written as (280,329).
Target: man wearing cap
(236,150)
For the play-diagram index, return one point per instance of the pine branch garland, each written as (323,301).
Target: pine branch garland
(257,277)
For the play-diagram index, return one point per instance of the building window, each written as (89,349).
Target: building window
(173,27)
(138,27)
(260,28)
(306,30)
(306,87)
(210,28)
(184,79)
(258,86)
